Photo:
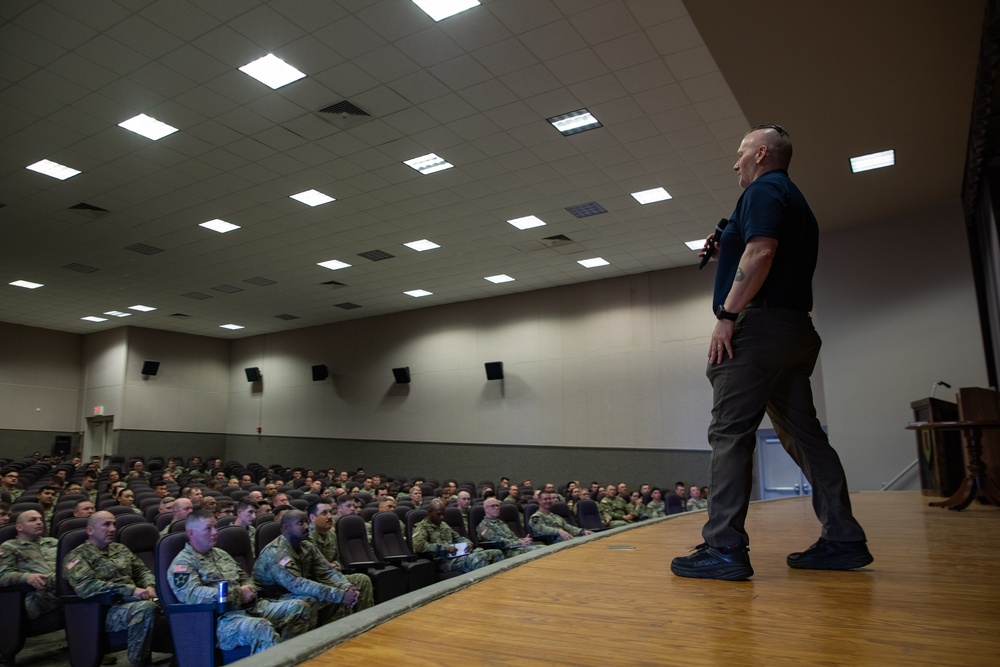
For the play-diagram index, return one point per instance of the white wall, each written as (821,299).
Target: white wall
(897,312)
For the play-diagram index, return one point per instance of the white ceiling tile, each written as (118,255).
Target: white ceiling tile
(181,18)
(461,72)
(650,75)
(553,40)
(267,28)
(97,15)
(194,63)
(626,51)
(487,95)
(144,36)
(229,46)
(429,47)
(349,37)
(691,63)
(505,57)
(577,66)
(386,63)
(393,20)
(244,121)
(474,29)
(523,15)
(531,81)
(605,22)
(596,90)
(347,80)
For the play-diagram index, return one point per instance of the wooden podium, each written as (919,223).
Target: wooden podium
(942,465)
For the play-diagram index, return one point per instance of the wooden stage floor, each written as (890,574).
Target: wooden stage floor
(932,597)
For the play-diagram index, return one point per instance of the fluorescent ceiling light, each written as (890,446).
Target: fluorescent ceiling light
(428,164)
(499,278)
(234,327)
(117,313)
(580,120)
(144,309)
(91,318)
(422,245)
(147,126)
(650,196)
(272,71)
(442,9)
(333,264)
(593,262)
(418,292)
(526,222)
(697,244)
(873,161)
(27,284)
(312,198)
(53,169)
(220,226)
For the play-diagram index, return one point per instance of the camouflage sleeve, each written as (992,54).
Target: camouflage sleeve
(424,541)
(10,573)
(490,531)
(281,567)
(80,574)
(319,568)
(541,527)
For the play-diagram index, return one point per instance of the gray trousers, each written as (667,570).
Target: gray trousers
(775,351)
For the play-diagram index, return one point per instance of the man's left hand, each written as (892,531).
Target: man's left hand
(722,341)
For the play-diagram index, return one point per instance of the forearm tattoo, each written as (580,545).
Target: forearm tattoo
(740,275)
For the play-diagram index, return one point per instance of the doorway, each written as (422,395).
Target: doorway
(100,439)
(779,476)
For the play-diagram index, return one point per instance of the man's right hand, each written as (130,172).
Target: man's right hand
(37,580)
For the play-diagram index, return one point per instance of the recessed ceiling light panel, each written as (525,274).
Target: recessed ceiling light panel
(573,122)
(141,308)
(428,164)
(499,278)
(53,169)
(117,313)
(313,198)
(220,226)
(650,196)
(147,126)
(92,318)
(526,222)
(272,71)
(593,262)
(27,284)
(418,293)
(697,244)
(442,9)
(873,161)
(333,264)
(233,327)
(421,245)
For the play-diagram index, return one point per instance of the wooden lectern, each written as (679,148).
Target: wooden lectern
(939,453)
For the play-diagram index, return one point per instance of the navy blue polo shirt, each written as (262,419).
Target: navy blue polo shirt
(772,206)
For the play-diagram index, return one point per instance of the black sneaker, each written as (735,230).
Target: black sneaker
(729,563)
(830,555)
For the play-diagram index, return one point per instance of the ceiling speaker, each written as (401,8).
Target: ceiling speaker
(253,374)
(402,375)
(494,370)
(320,372)
(150,367)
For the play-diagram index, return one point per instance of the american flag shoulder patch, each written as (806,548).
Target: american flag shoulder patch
(181,567)
(70,565)
(285,561)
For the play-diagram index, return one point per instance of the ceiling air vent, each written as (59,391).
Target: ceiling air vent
(84,206)
(376,255)
(556,241)
(347,305)
(143,249)
(334,283)
(227,289)
(80,268)
(261,282)
(345,109)
(179,315)
(286,316)
(344,115)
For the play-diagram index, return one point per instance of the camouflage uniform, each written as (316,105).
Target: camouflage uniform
(194,578)
(47,513)
(435,540)
(613,510)
(116,571)
(638,511)
(696,504)
(550,523)
(303,575)
(18,559)
(495,530)
(15,493)
(656,509)
(327,545)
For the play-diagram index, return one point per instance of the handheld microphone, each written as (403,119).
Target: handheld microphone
(710,248)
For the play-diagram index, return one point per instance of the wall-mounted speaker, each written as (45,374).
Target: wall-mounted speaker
(150,367)
(402,375)
(494,370)
(253,374)
(320,372)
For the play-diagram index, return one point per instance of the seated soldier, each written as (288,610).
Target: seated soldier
(546,522)
(182,507)
(321,534)
(293,568)
(101,566)
(194,577)
(9,483)
(246,515)
(30,559)
(47,499)
(435,537)
(493,529)
(83,509)
(614,509)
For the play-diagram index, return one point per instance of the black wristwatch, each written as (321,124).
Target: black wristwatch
(722,314)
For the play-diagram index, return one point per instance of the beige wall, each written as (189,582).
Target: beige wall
(40,379)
